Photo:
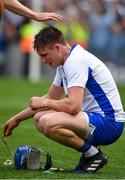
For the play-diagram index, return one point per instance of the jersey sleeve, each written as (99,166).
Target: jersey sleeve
(58,80)
(77,74)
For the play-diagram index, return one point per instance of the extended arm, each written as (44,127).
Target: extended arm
(17,8)
(28,112)
(15,120)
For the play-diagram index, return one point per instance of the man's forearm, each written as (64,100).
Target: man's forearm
(16,7)
(64,105)
(23,115)
(14,121)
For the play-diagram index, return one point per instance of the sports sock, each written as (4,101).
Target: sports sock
(88,150)
(91,152)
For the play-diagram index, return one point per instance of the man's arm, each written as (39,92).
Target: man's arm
(53,93)
(15,120)
(17,8)
(72,104)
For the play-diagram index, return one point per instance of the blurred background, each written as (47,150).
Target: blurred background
(98,25)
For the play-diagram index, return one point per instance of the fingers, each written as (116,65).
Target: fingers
(31,104)
(8,127)
(48,16)
(7,130)
(34,103)
(55,17)
(33,108)
(7,134)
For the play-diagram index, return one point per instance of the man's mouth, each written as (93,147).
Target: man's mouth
(50,64)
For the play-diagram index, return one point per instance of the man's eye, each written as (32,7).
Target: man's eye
(44,55)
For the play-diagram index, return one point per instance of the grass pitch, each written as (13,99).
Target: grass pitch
(14,97)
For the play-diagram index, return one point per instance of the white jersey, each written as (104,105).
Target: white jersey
(82,69)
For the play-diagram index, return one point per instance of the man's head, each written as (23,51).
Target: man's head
(50,45)
(48,37)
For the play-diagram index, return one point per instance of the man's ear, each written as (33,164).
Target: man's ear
(57,46)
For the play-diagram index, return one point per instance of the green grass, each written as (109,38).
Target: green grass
(14,96)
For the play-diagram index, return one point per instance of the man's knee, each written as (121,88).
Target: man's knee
(38,115)
(47,124)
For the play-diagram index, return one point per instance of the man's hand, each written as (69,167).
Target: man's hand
(9,126)
(47,16)
(36,103)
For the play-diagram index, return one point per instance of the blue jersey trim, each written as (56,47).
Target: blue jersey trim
(100,96)
(73,46)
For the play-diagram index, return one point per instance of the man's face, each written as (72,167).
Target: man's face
(51,55)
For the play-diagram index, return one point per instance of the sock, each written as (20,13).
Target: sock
(86,146)
(91,152)
(88,150)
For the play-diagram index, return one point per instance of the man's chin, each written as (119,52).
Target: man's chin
(53,66)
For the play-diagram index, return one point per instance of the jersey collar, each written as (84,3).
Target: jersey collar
(73,46)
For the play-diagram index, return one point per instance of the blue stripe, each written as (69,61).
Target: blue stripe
(73,46)
(99,95)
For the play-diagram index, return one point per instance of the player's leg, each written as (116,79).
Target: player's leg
(105,131)
(38,115)
(47,122)
(71,131)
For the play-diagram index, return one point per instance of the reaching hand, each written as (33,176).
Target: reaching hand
(9,126)
(47,16)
